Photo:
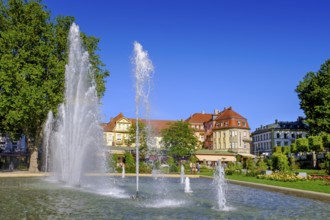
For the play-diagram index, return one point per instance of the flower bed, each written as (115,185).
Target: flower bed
(285,177)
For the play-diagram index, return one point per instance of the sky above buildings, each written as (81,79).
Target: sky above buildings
(207,54)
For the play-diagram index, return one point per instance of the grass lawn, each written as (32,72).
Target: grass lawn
(310,185)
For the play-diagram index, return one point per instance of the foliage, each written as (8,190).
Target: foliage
(33,54)
(179,139)
(302,145)
(292,163)
(327,165)
(277,149)
(280,162)
(315,143)
(173,167)
(326,140)
(129,163)
(233,168)
(293,147)
(143,148)
(314,94)
(286,150)
(261,165)
(251,167)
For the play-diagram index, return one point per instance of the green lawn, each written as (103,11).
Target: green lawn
(310,185)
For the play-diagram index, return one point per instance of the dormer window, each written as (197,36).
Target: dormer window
(239,123)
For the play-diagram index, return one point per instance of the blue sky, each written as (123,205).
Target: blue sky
(207,54)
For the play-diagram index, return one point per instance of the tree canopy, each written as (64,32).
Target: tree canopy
(33,54)
(314,94)
(179,139)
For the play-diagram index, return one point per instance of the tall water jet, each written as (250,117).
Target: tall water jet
(182,174)
(77,138)
(220,185)
(46,140)
(142,72)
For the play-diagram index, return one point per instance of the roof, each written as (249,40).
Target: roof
(228,118)
(157,125)
(111,125)
(229,113)
(199,118)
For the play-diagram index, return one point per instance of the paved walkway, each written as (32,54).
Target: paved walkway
(324,197)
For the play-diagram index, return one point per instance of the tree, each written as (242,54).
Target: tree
(33,54)
(315,143)
(302,145)
(314,94)
(179,139)
(143,148)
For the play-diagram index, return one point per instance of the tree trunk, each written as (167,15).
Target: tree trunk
(33,162)
(33,168)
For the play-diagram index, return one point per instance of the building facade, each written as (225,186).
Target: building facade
(280,133)
(116,132)
(231,132)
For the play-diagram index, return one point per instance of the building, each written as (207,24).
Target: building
(231,132)
(196,122)
(116,132)
(280,133)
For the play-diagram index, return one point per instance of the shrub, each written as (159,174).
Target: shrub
(280,162)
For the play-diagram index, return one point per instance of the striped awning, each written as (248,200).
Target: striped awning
(216,158)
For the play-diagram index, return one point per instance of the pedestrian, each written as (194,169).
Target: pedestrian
(198,167)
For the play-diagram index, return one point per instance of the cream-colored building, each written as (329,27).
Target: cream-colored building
(116,132)
(231,132)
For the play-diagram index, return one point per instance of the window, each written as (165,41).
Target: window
(244,123)
(285,136)
(278,143)
(244,133)
(239,123)
(277,135)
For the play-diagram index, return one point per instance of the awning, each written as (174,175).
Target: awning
(246,155)
(216,158)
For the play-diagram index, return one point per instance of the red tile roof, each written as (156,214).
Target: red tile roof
(229,119)
(199,118)
(157,125)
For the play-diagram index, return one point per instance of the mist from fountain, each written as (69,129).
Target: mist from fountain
(220,185)
(76,139)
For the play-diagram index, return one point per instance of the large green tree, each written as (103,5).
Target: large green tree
(33,54)
(179,139)
(314,94)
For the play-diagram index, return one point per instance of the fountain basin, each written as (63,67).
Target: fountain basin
(163,198)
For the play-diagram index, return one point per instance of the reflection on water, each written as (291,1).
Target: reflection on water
(36,198)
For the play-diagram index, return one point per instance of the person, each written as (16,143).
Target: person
(198,167)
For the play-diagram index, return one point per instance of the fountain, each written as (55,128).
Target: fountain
(187,188)
(220,184)
(142,72)
(182,174)
(75,137)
